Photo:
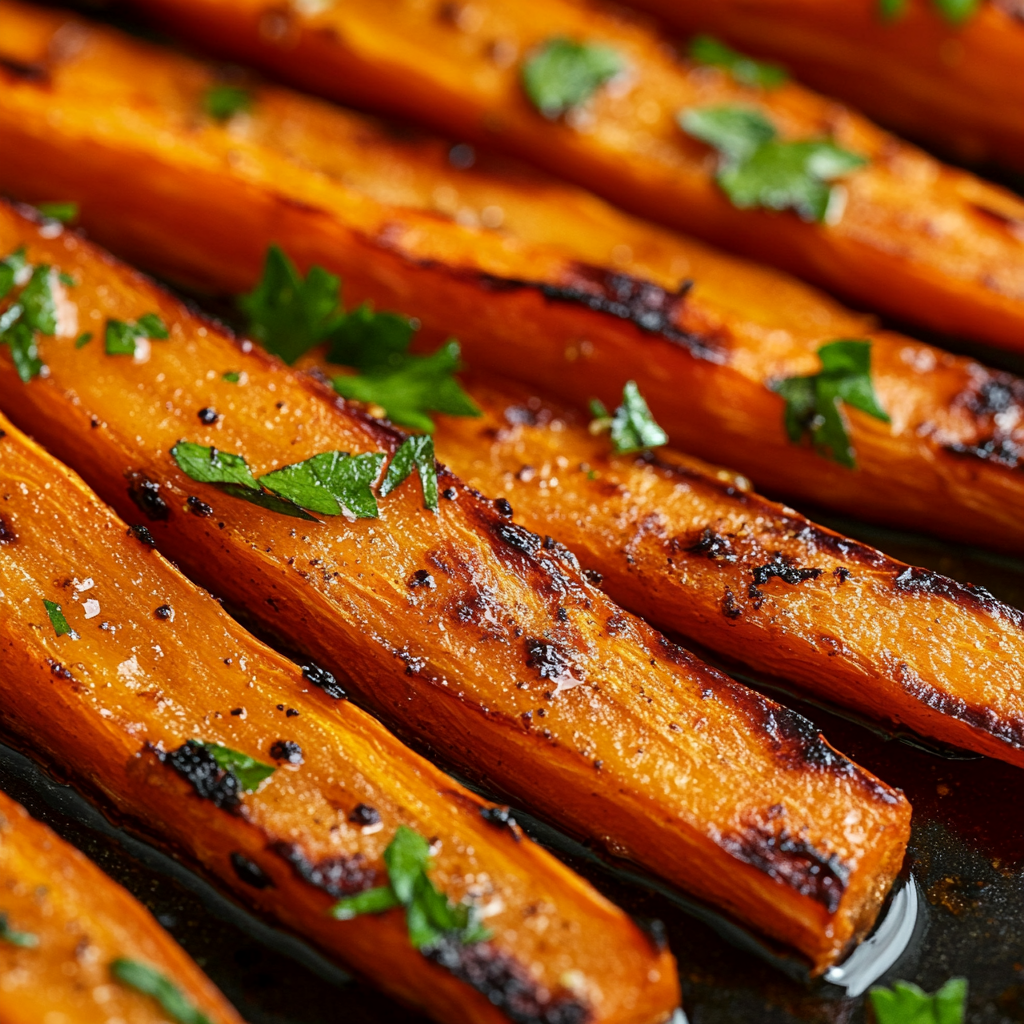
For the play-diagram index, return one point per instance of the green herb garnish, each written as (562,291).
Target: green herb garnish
(151,982)
(416,452)
(21,340)
(812,402)
(333,483)
(38,301)
(562,74)
(232,376)
(954,11)
(429,915)
(57,620)
(83,339)
(632,427)
(26,940)
(222,102)
(120,336)
(249,772)
(289,315)
(746,70)
(905,1003)
(759,170)
(35,310)
(64,212)
(14,270)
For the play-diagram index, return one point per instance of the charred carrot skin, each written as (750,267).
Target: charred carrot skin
(698,553)
(70,924)
(957,86)
(156,663)
(463,628)
(925,242)
(564,292)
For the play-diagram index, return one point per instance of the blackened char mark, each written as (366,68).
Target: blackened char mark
(548,660)
(196,764)
(7,534)
(318,676)
(146,495)
(337,876)
(505,982)
(784,570)
(1002,451)
(923,581)
(250,872)
(519,538)
(25,70)
(792,861)
(501,817)
(711,545)
(989,395)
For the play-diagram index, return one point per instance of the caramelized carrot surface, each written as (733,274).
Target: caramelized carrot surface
(458,625)
(538,280)
(145,665)
(958,86)
(697,553)
(65,930)
(906,234)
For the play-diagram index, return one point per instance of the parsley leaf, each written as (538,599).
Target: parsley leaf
(812,402)
(26,940)
(222,102)
(905,1003)
(38,301)
(954,11)
(632,427)
(418,452)
(332,483)
(57,620)
(288,315)
(83,339)
(21,340)
(429,915)
(120,336)
(562,74)
(746,70)
(371,341)
(759,170)
(232,376)
(13,269)
(64,212)
(150,982)
(419,384)
(249,772)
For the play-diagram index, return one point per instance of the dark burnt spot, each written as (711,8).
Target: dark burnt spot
(320,677)
(593,577)
(448,493)
(208,415)
(519,538)
(924,581)
(198,507)
(730,609)
(25,70)
(286,750)
(142,535)
(193,762)
(710,545)
(146,495)
(503,507)
(501,817)
(58,670)
(250,872)
(616,624)
(505,983)
(336,876)
(421,578)
(1003,451)
(996,395)
(165,612)
(783,569)
(364,815)
(546,659)
(791,861)
(7,534)
(841,573)
(561,552)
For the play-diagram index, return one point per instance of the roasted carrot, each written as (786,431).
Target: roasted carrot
(113,667)
(956,84)
(560,291)
(696,552)
(75,946)
(456,624)
(904,234)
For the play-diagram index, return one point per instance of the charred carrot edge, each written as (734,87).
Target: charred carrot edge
(920,240)
(957,86)
(459,626)
(65,927)
(138,665)
(564,293)
(698,553)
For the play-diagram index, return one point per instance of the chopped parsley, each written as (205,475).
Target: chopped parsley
(26,940)
(632,427)
(745,70)
(14,269)
(757,169)
(150,982)
(562,73)
(222,102)
(83,339)
(249,772)
(905,1003)
(232,376)
(954,11)
(334,483)
(64,212)
(429,915)
(289,315)
(812,402)
(120,336)
(57,620)
(416,452)
(35,310)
